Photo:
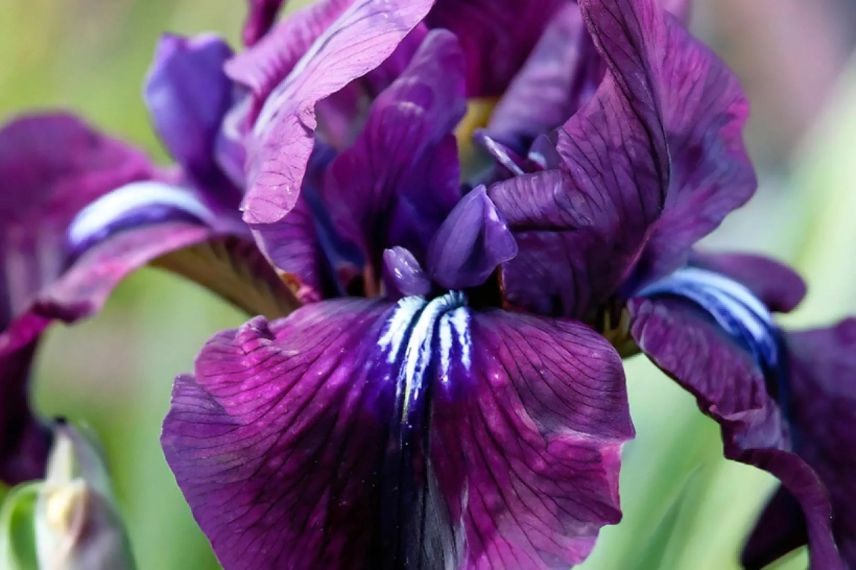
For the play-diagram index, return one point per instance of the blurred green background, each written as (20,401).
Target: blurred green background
(685,506)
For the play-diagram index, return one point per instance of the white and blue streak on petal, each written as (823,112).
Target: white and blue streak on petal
(133,205)
(737,311)
(427,345)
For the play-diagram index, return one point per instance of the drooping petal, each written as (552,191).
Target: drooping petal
(188,95)
(401,178)
(260,18)
(43,189)
(724,373)
(471,243)
(822,377)
(775,284)
(24,439)
(650,164)
(79,212)
(356,434)
(359,40)
(497,37)
(173,227)
(559,76)
(537,441)
(51,166)
(780,529)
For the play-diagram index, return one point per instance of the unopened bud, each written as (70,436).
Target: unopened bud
(77,526)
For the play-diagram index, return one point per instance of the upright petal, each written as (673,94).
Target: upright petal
(560,75)
(654,160)
(359,40)
(497,36)
(356,434)
(260,18)
(267,63)
(401,178)
(305,245)
(188,95)
(725,371)
(823,419)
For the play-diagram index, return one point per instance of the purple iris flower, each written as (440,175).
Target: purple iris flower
(621,199)
(449,392)
(423,425)
(75,222)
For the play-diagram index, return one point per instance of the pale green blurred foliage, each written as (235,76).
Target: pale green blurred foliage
(685,506)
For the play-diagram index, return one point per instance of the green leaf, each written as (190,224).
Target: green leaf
(17,528)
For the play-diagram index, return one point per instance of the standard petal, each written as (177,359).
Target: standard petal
(261,68)
(188,95)
(260,18)
(654,160)
(497,37)
(562,73)
(730,387)
(359,40)
(471,243)
(356,434)
(401,178)
(822,377)
(305,245)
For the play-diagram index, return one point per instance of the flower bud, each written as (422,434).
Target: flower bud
(69,521)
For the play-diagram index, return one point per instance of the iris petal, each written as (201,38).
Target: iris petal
(358,434)
(776,285)
(726,371)
(732,306)
(497,36)
(358,41)
(260,18)
(133,205)
(561,74)
(400,179)
(80,212)
(822,365)
(648,166)
(188,95)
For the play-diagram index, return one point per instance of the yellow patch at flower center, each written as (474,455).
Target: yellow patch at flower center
(478,115)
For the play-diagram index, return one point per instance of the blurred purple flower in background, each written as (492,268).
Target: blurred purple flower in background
(466,213)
